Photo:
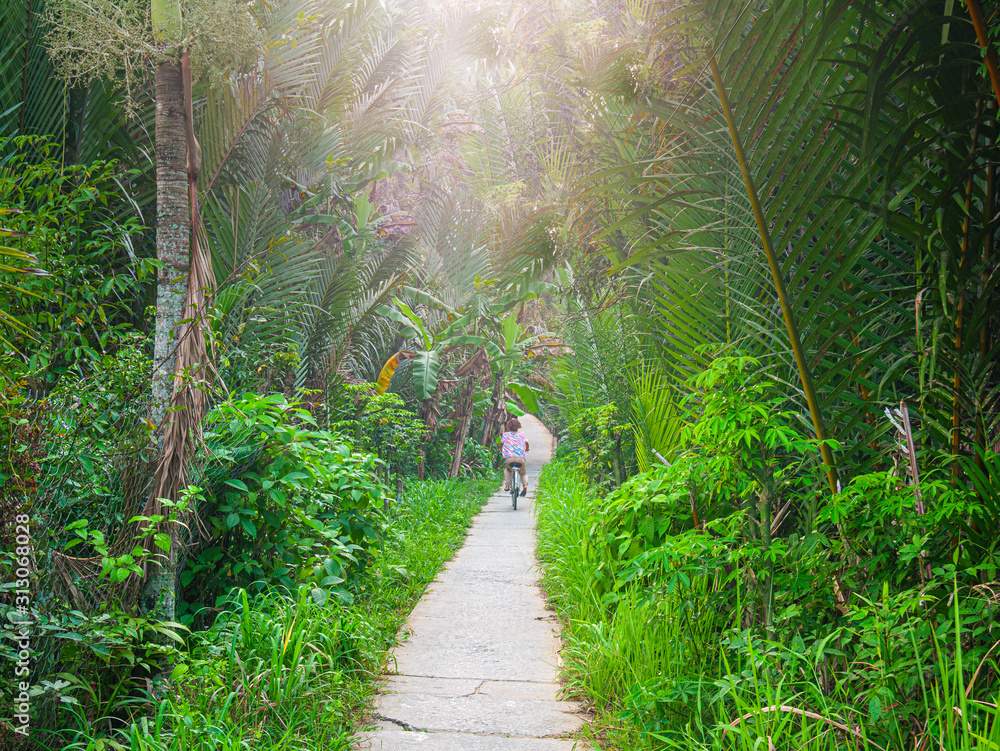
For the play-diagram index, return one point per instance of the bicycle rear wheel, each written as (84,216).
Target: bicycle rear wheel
(515,487)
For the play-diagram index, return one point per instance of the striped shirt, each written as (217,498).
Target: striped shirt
(512,444)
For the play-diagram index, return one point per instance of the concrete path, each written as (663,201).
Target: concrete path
(477,669)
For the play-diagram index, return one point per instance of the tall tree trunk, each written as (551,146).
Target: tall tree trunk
(161,586)
(173,231)
(173,250)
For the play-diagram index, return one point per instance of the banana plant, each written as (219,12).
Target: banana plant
(501,344)
(495,329)
(427,360)
(880,232)
(512,345)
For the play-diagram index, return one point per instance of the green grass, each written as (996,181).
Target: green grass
(283,673)
(666,665)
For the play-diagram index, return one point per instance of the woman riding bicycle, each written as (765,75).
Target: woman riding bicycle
(513,445)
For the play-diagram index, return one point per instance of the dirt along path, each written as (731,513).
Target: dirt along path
(477,665)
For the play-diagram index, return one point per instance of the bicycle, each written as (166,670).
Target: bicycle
(515,483)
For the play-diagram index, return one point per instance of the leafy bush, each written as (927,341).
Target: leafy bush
(604,444)
(665,631)
(724,595)
(20,450)
(283,670)
(480,460)
(97,440)
(379,424)
(292,505)
(98,666)
(78,223)
(438,451)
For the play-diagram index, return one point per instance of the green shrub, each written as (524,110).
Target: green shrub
(284,671)
(379,424)
(78,223)
(727,600)
(479,460)
(665,635)
(291,505)
(604,444)
(98,449)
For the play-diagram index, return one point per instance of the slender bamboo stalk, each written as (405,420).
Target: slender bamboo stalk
(956,412)
(990,54)
(779,284)
(694,508)
(984,329)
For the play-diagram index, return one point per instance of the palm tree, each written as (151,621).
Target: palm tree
(292,155)
(869,138)
(173,209)
(849,161)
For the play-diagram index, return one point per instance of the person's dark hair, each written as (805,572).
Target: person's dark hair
(513,424)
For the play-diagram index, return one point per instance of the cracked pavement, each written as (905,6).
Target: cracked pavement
(477,666)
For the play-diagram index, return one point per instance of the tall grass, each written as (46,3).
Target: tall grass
(282,672)
(667,663)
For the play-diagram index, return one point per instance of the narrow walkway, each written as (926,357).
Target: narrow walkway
(478,666)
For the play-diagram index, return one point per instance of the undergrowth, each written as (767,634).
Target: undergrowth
(664,638)
(277,671)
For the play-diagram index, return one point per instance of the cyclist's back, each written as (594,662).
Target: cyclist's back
(513,446)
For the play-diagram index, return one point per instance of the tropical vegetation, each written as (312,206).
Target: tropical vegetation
(768,529)
(275,273)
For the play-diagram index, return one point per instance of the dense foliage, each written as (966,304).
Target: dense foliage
(778,404)
(695,608)
(272,544)
(279,667)
(261,268)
